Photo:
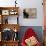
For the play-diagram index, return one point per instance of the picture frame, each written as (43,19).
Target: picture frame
(12,12)
(29,13)
(5,12)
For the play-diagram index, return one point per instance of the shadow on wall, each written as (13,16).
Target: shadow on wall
(37,29)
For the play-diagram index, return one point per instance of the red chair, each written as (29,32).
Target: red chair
(29,33)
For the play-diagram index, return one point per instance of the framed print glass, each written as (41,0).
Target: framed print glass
(13,12)
(30,13)
(5,12)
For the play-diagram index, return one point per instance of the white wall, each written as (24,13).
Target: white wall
(32,22)
(27,4)
(7,3)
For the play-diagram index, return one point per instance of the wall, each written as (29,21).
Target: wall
(27,4)
(32,4)
(6,3)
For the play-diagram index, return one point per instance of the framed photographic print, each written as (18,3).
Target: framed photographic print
(12,12)
(30,13)
(5,12)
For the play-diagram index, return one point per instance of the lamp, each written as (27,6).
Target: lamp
(15,3)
